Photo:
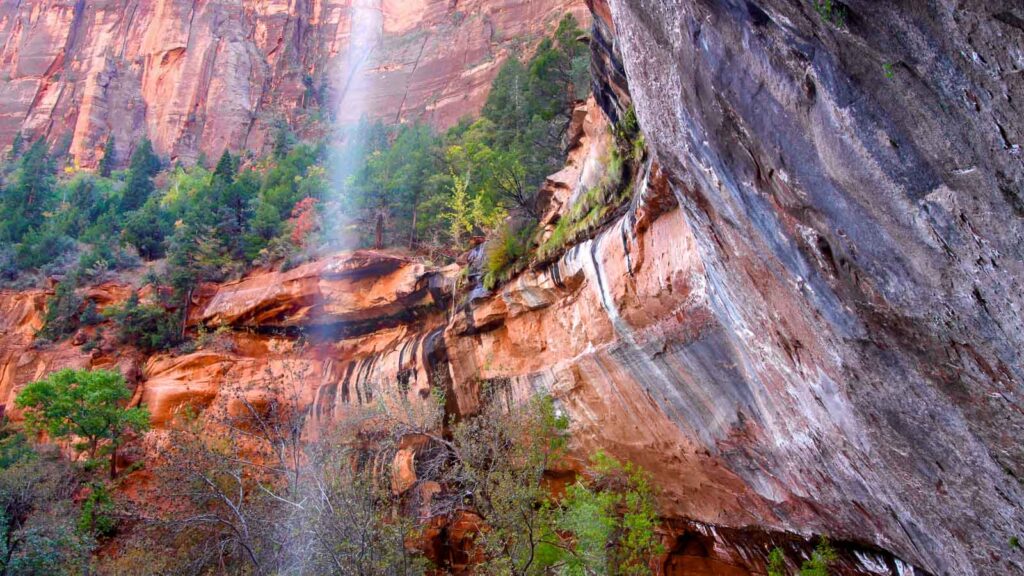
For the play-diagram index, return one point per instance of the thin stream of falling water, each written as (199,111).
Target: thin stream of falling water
(365,31)
(354,88)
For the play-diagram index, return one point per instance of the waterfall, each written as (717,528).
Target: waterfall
(355,88)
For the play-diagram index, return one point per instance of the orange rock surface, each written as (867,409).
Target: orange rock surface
(199,77)
(22,360)
(378,347)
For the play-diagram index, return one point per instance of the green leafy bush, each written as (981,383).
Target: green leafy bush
(613,520)
(818,564)
(589,210)
(776,563)
(506,254)
(96,517)
(85,406)
(62,317)
(822,557)
(831,11)
(151,327)
(37,531)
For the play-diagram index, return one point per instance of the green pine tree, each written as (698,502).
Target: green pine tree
(144,165)
(24,200)
(109,159)
(225,169)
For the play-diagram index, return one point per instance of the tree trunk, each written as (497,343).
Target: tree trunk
(412,233)
(113,461)
(379,242)
(184,318)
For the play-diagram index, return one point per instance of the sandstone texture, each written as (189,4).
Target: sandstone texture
(21,360)
(200,77)
(806,320)
(377,337)
(845,267)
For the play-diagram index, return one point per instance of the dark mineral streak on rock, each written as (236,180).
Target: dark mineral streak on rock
(854,187)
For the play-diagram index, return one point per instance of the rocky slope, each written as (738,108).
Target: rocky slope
(805,320)
(199,77)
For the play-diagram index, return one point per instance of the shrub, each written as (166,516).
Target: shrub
(103,258)
(776,563)
(590,209)
(37,531)
(42,247)
(151,327)
(613,518)
(505,255)
(831,11)
(8,263)
(822,557)
(62,316)
(818,564)
(96,517)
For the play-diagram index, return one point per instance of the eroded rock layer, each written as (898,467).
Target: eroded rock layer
(806,319)
(848,346)
(199,77)
(351,330)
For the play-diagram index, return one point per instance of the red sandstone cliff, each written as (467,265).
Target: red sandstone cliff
(361,328)
(204,76)
(806,320)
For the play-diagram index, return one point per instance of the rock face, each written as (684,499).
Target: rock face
(807,319)
(21,316)
(200,76)
(351,290)
(24,359)
(377,335)
(833,317)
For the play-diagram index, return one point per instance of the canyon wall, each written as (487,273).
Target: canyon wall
(806,320)
(350,330)
(200,77)
(809,318)
(850,184)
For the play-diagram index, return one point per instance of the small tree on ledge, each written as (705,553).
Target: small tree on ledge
(83,404)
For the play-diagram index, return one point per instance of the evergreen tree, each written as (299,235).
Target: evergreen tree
(225,169)
(144,165)
(149,326)
(16,146)
(266,223)
(146,229)
(109,159)
(62,312)
(284,140)
(86,199)
(23,202)
(233,208)
(196,254)
(507,103)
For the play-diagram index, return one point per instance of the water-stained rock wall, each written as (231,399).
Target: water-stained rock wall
(353,330)
(199,77)
(850,184)
(807,319)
